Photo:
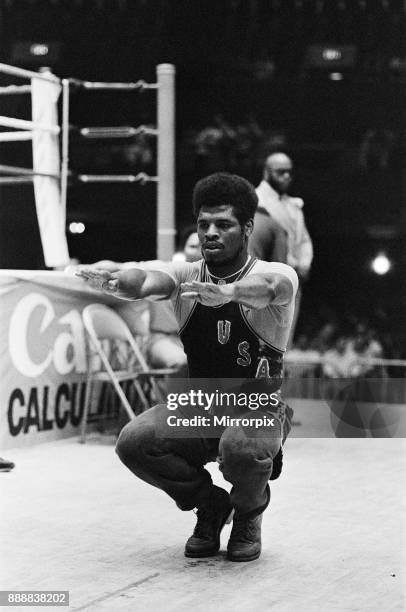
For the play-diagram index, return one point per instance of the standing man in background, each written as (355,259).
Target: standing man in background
(268,240)
(287,212)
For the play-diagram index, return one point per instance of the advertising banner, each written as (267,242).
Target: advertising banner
(43,356)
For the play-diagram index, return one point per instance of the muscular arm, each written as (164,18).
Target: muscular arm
(132,284)
(255,291)
(260,290)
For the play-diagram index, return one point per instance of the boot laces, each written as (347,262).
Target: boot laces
(244,529)
(205,518)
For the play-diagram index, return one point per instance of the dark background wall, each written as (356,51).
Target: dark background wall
(245,80)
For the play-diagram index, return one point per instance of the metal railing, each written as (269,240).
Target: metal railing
(370,379)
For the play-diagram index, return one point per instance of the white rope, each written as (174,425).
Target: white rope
(17,170)
(361,360)
(117,132)
(115,86)
(14,180)
(15,89)
(13,136)
(28,74)
(141,177)
(28,125)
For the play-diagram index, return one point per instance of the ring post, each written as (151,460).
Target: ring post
(65,143)
(166,162)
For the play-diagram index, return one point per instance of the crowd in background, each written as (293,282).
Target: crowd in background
(341,346)
(241,147)
(339,343)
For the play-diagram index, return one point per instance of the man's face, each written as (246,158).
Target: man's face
(278,172)
(221,236)
(192,249)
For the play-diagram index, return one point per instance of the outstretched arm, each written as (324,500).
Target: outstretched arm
(255,291)
(132,284)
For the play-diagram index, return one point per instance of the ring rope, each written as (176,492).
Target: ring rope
(14,136)
(26,176)
(164,132)
(28,74)
(25,172)
(141,177)
(14,180)
(139,85)
(28,125)
(117,132)
(15,89)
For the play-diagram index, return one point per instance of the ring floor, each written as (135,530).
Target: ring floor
(73,518)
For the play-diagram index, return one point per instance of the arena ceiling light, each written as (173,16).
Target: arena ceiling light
(333,61)
(381,264)
(34,52)
(76,227)
(331,57)
(336,76)
(39,49)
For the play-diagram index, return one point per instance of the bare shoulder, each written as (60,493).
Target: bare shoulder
(276,267)
(180,271)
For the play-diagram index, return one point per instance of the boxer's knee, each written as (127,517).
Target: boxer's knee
(249,450)
(138,439)
(240,455)
(251,444)
(132,444)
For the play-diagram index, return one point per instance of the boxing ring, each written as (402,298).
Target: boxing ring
(43,358)
(74,519)
(50,139)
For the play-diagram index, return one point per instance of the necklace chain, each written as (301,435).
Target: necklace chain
(229,275)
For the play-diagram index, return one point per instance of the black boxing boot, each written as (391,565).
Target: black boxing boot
(212,515)
(245,538)
(5,465)
(277,465)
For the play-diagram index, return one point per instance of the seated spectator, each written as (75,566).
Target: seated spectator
(303,350)
(324,339)
(302,359)
(189,246)
(338,359)
(365,347)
